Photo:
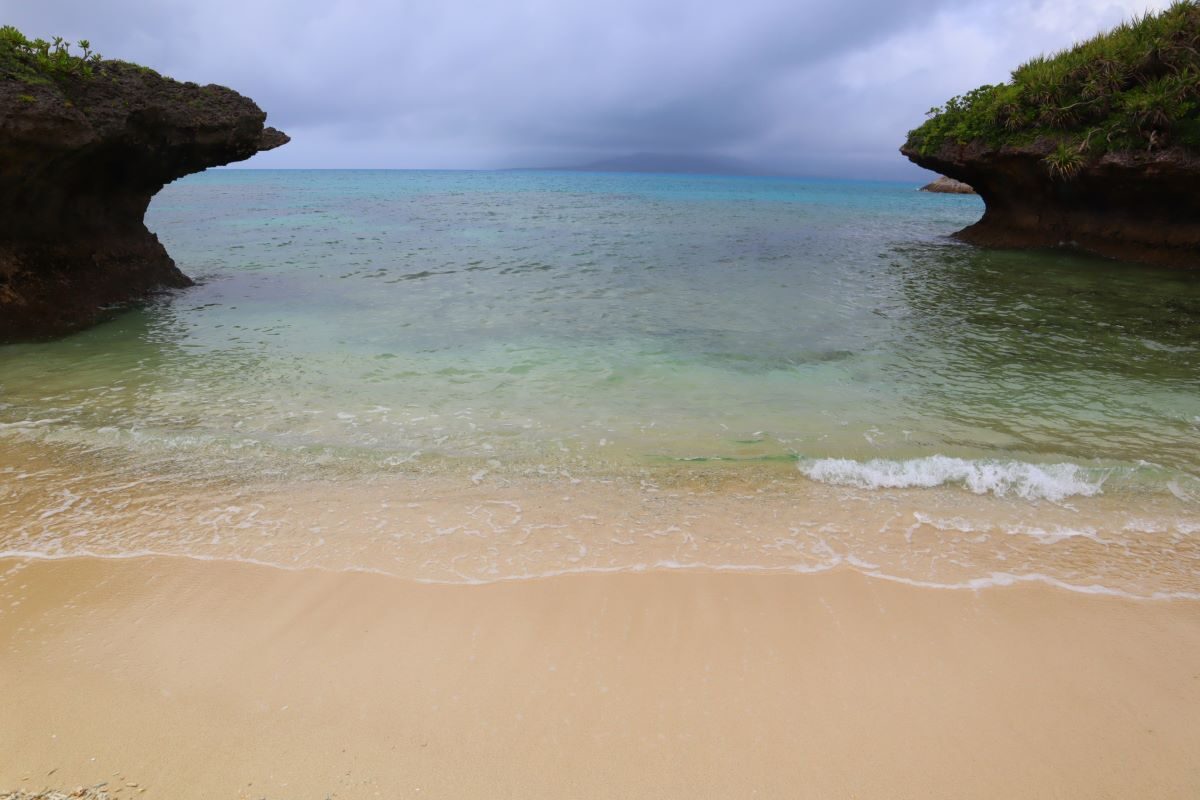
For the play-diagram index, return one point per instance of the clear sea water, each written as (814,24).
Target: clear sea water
(398,331)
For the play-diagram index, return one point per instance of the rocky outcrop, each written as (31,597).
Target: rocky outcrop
(944,185)
(1132,205)
(81,155)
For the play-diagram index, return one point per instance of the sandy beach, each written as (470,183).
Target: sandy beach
(212,679)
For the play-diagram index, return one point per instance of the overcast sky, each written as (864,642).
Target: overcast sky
(808,87)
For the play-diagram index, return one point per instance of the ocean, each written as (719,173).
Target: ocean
(478,376)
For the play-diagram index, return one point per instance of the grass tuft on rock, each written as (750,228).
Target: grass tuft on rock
(1134,88)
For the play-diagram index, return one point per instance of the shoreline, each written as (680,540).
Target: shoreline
(454,530)
(994,581)
(212,679)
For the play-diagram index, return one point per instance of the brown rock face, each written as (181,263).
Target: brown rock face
(80,158)
(1135,206)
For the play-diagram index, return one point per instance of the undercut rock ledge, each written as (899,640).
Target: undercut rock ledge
(80,159)
(1134,206)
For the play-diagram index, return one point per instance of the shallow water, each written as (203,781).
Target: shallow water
(364,335)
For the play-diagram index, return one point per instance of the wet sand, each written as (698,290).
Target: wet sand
(216,679)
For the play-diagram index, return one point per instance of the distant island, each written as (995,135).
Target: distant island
(1097,147)
(84,144)
(667,163)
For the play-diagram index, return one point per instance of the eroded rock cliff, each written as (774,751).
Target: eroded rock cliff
(84,146)
(1137,206)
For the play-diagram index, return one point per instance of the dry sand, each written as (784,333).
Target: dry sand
(221,680)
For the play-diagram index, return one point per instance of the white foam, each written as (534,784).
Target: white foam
(1030,481)
(1002,579)
(1187,491)
(1048,535)
(69,499)
(29,423)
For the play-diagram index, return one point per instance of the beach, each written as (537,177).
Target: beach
(194,679)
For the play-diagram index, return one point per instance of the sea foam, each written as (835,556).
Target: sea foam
(1030,481)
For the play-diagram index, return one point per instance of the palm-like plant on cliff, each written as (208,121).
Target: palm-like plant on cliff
(32,60)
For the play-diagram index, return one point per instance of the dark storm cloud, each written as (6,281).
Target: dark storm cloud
(826,88)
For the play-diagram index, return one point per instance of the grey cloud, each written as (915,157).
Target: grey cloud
(826,88)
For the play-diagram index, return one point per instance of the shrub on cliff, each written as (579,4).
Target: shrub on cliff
(1136,87)
(37,59)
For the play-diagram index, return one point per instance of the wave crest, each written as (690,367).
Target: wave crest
(1030,481)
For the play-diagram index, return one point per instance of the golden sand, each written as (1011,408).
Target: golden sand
(222,680)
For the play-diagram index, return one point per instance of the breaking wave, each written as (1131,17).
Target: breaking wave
(1052,482)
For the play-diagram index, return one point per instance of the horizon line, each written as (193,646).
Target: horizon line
(769,176)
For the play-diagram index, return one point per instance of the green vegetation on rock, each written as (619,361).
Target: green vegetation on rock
(1135,88)
(35,60)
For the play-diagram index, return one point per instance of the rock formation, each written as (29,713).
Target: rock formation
(944,185)
(1135,206)
(1096,147)
(84,145)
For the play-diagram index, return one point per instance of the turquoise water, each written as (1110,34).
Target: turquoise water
(659,316)
(353,324)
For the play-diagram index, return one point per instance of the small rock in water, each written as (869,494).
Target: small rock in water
(946,185)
